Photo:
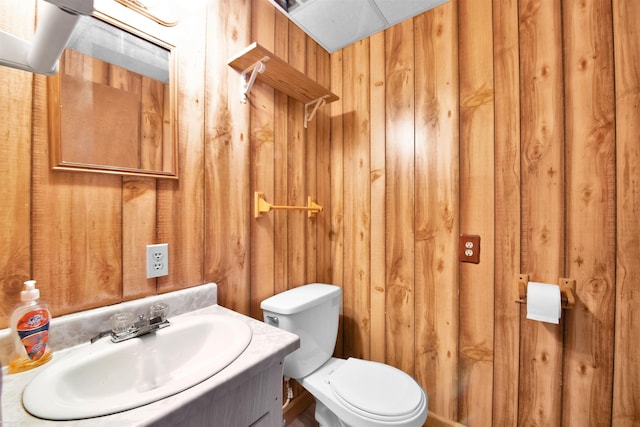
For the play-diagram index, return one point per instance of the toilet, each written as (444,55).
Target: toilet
(352,392)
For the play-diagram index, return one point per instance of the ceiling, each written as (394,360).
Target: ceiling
(334,24)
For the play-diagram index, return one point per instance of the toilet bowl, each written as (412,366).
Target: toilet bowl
(352,392)
(356,392)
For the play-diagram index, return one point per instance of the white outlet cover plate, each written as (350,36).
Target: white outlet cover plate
(157,260)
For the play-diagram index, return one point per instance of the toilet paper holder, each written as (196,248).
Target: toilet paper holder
(567,290)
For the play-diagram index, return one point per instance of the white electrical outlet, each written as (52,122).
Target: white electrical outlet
(157,260)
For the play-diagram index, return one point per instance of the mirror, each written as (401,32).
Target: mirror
(112,106)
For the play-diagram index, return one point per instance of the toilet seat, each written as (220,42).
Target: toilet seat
(376,391)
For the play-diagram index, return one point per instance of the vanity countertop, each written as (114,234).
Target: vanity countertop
(268,345)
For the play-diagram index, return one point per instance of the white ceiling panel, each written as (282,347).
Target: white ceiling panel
(335,24)
(396,11)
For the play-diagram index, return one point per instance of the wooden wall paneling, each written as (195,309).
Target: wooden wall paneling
(378,286)
(152,118)
(236,237)
(297,221)
(98,69)
(72,63)
(323,174)
(400,233)
(168,132)
(76,217)
(15,165)
(542,192)
(139,209)
(138,201)
(262,169)
(477,216)
(310,158)
(281,185)
(437,207)
(427,226)
(110,145)
(507,211)
(181,202)
(357,206)
(121,78)
(590,212)
(138,194)
(227,199)
(336,234)
(626,376)
(76,227)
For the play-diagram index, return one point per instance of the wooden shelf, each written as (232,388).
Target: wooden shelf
(281,76)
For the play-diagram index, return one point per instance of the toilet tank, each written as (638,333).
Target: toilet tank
(311,312)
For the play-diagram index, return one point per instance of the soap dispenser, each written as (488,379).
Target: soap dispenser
(30,324)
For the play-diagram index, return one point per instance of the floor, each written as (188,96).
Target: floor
(306,419)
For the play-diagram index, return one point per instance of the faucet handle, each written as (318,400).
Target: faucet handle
(121,322)
(158,310)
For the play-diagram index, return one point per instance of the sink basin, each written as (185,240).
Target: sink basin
(104,378)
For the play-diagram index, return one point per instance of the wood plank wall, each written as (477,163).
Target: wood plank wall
(514,119)
(626,362)
(477,213)
(541,150)
(16,99)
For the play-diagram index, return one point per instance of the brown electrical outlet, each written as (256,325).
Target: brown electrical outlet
(469,248)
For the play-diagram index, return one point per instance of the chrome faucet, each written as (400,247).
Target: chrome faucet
(123,327)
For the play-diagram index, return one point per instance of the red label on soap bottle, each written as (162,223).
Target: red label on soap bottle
(33,329)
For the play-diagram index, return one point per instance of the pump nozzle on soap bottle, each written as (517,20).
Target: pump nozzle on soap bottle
(30,324)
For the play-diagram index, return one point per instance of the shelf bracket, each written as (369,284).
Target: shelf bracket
(254,69)
(317,103)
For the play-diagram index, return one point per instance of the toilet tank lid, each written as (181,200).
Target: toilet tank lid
(300,298)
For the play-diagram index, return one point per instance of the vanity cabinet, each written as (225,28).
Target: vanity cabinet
(256,402)
(247,392)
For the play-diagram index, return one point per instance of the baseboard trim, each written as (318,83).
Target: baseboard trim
(435,420)
(297,406)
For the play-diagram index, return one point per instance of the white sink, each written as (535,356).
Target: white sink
(105,378)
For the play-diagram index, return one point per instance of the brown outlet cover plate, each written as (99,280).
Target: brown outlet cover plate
(469,248)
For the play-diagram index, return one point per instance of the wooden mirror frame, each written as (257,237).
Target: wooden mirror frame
(54,97)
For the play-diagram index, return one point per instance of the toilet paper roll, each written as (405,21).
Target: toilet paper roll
(544,303)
